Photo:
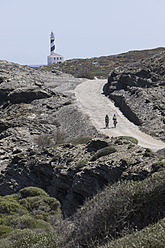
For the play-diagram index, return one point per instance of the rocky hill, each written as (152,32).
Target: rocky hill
(139,90)
(47,142)
(100,66)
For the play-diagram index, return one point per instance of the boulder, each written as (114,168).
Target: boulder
(27,96)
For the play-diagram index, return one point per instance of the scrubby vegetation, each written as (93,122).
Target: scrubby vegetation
(125,214)
(101,66)
(80,140)
(45,140)
(121,209)
(128,138)
(103,152)
(28,219)
(152,236)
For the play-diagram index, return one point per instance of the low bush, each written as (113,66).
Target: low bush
(49,140)
(148,153)
(158,166)
(67,103)
(26,221)
(10,206)
(45,204)
(85,74)
(29,239)
(129,138)
(80,140)
(103,152)
(81,163)
(33,209)
(5,230)
(32,191)
(11,197)
(152,236)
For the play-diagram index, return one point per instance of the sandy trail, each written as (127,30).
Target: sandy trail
(92,102)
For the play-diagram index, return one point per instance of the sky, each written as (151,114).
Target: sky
(82,28)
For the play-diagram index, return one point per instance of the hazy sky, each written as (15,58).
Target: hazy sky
(83,28)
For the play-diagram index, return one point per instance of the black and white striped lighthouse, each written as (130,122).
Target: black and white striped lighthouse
(54,58)
(52,43)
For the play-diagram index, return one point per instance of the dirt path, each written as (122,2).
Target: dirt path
(91,101)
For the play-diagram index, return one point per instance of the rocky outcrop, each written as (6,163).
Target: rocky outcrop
(138,90)
(27,96)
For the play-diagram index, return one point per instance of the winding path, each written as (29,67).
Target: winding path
(92,102)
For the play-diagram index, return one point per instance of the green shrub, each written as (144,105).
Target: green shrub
(6,219)
(148,152)
(159,163)
(45,204)
(82,163)
(36,211)
(67,103)
(103,152)
(5,230)
(3,220)
(26,221)
(152,236)
(32,191)
(10,206)
(80,140)
(29,239)
(11,197)
(32,203)
(129,138)
(85,74)
(52,202)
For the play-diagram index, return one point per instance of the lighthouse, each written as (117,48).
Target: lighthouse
(54,58)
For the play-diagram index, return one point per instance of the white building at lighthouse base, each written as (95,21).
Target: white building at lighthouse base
(55,58)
